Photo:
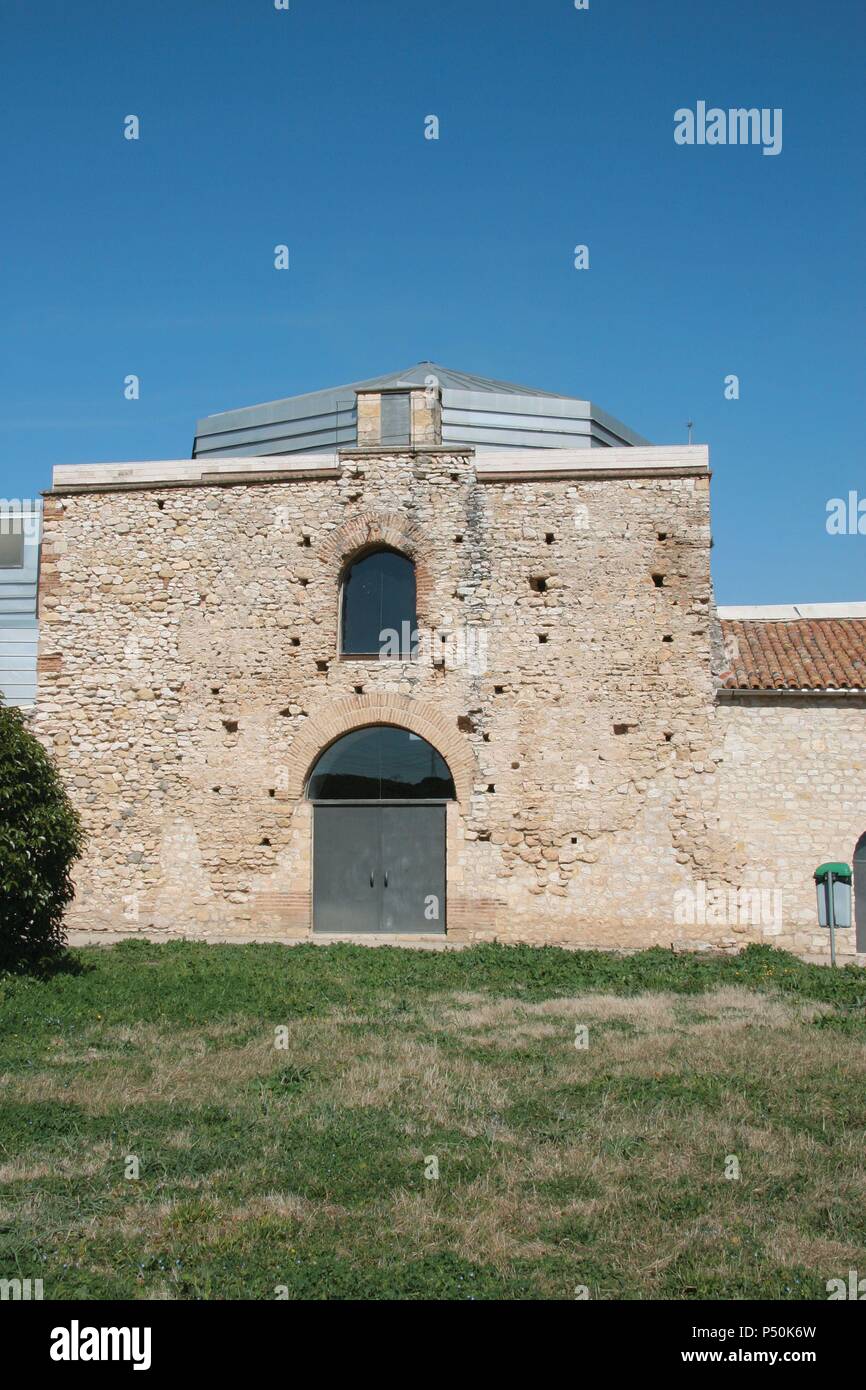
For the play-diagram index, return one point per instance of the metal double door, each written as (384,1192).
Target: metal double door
(379,867)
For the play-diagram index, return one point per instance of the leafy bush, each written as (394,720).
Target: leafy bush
(40,839)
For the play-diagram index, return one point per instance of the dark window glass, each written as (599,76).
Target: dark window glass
(11,542)
(380,763)
(379,598)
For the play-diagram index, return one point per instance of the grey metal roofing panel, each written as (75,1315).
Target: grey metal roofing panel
(327,404)
(483,437)
(22,607)
(531,403)
(615,438)
(18,582)
(324,400)
(616,427)
(15,591)
(18,646)
(541,422)
(517,419)
(461,381)
(300,437)
(20,694)
(501,420)
(476,410)
(19,642)
(20,622)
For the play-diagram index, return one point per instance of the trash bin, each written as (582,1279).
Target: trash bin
(837,876)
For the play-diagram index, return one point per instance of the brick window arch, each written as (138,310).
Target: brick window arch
(391,530)
(352,712)
(376,762)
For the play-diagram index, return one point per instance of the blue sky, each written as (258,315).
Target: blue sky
(306,127)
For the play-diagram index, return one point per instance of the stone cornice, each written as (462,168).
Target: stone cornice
(513,465)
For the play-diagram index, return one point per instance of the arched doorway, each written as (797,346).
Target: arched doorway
(379,796)
(860,892)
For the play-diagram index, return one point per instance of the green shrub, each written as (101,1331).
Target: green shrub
(40,839)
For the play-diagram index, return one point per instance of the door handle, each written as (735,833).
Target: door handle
(372,876)
(386,878)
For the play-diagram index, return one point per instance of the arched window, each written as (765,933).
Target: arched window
(377,615)
(381,763)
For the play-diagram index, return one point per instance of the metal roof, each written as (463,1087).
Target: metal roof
(460,381)
(476,410)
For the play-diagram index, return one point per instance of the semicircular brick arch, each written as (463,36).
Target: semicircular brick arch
(381,528)
(355,712)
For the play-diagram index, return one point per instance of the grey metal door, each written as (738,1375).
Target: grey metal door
(413,868)
(379,868)
(860,892)
(347,869)
(395,417)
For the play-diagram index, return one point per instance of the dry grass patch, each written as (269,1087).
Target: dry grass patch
(558,1165)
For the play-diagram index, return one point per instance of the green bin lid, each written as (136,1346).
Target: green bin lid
(837,870)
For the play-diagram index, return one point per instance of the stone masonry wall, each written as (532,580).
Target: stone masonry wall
(189,677)
(793,794)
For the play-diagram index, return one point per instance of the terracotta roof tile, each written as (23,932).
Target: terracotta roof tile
(803,654)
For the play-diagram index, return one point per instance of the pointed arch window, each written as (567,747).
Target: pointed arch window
(377,606)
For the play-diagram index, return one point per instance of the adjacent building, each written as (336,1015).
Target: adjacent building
(20,524)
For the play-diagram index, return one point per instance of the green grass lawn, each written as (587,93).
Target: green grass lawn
(304,1166)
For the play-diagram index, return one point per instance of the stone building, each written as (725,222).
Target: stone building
(433,654)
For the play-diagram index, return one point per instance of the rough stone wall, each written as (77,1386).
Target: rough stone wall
(792,793)
(189,674)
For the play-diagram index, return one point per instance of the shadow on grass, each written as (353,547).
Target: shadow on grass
(45,967)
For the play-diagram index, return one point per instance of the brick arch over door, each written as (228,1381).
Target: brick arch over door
(374,529)
(355,712)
